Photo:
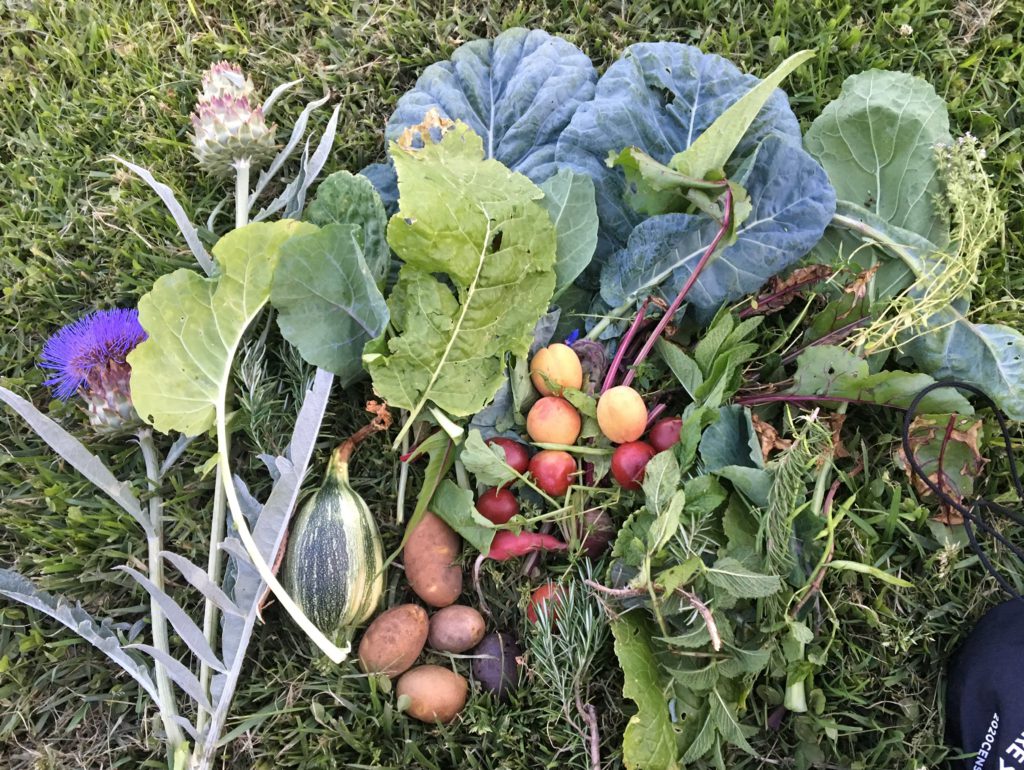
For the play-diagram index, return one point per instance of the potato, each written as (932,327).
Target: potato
(436,694)
(456,628)
(429,559)
(496,666)
(394,640)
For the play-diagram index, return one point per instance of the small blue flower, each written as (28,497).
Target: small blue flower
(573,336)
(82,351)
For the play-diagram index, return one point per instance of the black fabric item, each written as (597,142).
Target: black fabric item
(985,698)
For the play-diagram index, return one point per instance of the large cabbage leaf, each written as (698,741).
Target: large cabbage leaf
(658,97)
(517,92)
(792,204)
(877,143)
(483,228)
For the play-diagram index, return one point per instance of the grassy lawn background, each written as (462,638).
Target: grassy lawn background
(80,81)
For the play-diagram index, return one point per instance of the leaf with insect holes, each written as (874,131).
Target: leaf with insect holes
(832,371)
(481,227)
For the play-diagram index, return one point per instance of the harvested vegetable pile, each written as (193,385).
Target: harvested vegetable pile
(641,347)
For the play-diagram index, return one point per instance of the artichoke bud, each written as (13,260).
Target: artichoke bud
(226,126)
(108,399)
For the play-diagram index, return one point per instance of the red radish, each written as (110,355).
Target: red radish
(508,545)
(497,505)
(515,453)
(665,433)
(553,470)
(544,600)
(629,461)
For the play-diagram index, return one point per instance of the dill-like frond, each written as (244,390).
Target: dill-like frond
(976,220)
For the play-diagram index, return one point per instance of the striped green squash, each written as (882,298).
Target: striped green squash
(334,565)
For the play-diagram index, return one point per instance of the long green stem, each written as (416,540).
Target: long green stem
(242,192)
(155,544)
(606,321)
(218,521)
(213,568)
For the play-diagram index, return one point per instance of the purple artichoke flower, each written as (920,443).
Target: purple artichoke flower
(87,358)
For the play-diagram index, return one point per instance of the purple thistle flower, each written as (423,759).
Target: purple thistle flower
(82,348)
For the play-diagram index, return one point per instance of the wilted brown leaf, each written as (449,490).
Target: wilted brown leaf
(779,292)
(859,286)
(769,437)
(947,449)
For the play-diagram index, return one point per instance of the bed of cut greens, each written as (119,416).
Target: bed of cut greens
(584,263)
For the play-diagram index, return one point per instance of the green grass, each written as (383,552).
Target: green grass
(81,81)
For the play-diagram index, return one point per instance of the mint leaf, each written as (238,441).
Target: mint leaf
(731,576)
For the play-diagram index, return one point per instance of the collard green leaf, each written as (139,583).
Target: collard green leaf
(455,505)
(828,370)
(483,227)
(569,199)
(731,576)
(649,742)
(327,298)
(195,324)
(101,635)
(517,91)
(792,203)
(658,97)
(990,356)
(486,463)
(352,200)
(731,440)
(877,143)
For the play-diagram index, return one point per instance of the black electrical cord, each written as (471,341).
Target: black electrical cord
(975,511)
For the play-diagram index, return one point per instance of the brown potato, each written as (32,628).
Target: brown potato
(456,628)
(429,559)
(436,694)
(394,640)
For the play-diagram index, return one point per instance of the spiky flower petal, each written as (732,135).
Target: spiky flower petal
(87,358)
(226,79)
(227,126)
